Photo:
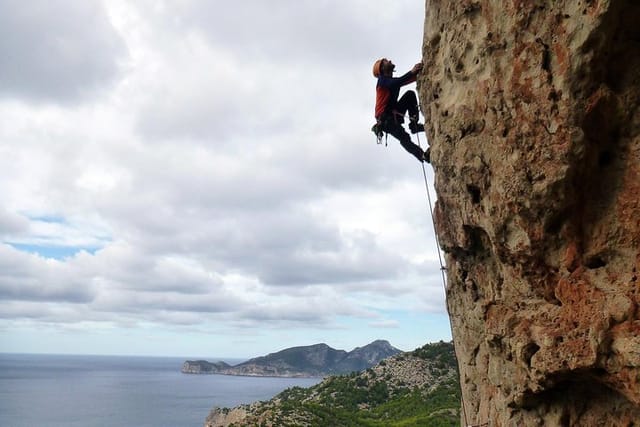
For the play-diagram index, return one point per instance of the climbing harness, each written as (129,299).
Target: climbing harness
(444,286)
(378,127)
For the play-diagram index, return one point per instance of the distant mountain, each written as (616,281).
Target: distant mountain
(362,358)
(306,361)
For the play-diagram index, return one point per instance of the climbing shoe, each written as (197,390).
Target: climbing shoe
(416,127)
(426,156)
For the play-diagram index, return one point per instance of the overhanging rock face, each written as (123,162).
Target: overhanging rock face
(532,111)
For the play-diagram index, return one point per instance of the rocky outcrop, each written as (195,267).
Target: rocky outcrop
(315,360)
(532,111)
(204,367)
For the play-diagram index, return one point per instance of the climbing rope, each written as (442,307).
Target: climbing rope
(444,284)
(379,134)
(435,232)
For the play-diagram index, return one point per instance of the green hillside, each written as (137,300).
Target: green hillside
(419,388)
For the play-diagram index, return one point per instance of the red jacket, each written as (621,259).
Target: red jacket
(387,91)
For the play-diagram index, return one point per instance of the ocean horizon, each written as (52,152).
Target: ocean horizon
(121,391)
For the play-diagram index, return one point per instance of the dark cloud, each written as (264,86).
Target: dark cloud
(58,51)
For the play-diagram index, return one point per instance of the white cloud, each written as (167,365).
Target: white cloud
(56,51)
(218,175)
(27,277)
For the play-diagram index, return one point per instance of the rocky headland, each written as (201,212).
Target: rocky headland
(317,360)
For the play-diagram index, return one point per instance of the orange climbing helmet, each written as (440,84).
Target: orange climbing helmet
(377,67)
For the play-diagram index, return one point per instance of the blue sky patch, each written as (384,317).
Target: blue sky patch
(51,219)
(55,252)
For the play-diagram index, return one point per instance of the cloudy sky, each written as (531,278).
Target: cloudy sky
(198,178)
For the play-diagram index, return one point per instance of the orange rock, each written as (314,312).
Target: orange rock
(548,333)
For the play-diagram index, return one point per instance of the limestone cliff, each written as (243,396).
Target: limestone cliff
(532,114)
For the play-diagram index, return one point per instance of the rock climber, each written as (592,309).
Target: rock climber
(390,110)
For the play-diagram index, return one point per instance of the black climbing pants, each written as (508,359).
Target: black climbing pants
(408,103)
(392,122)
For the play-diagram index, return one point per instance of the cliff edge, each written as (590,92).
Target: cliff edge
(532,112)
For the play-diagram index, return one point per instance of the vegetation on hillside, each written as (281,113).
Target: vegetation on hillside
(419,388)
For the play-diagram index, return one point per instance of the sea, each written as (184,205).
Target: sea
(120,391)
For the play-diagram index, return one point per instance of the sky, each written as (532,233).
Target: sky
(198,178)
